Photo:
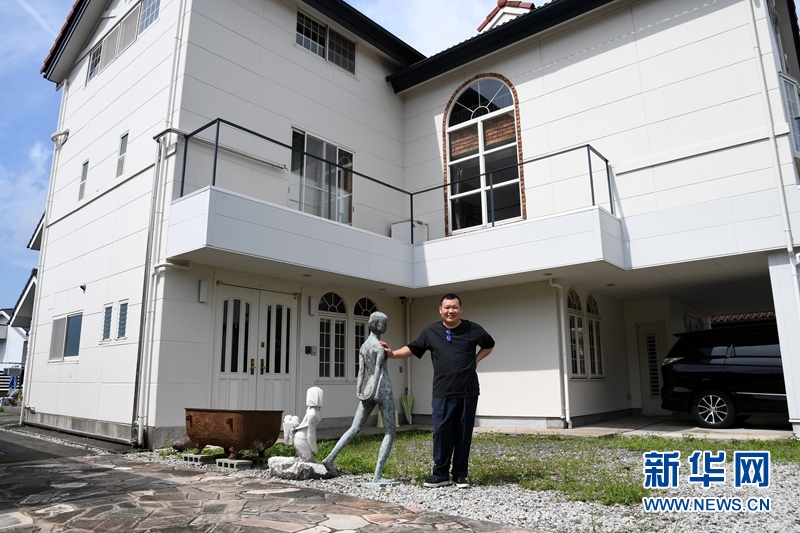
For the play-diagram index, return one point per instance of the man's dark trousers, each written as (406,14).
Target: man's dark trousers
(453,421)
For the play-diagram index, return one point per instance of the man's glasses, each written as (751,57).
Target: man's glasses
(447,332)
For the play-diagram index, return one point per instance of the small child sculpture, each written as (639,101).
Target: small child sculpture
(305,434)
(373,387)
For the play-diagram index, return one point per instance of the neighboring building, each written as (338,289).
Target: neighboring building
(13,351)
(591,177)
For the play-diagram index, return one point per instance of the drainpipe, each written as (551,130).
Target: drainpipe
(562,348)
(794,258)
(138,419)
(58,138)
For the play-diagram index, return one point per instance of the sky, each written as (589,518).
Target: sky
(29,104)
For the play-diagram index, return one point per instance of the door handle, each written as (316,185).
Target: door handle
(252,366)
(262,366)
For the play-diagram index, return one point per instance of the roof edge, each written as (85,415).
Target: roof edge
(537,21)
(359,24)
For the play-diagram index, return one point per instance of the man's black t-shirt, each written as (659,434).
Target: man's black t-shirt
(454,374)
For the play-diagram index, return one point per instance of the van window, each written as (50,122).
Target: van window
(702,346)
(757,346)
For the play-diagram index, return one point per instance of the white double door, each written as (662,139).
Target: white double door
(254,350)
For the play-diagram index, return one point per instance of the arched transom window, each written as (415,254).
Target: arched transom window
(332,336)
(364,307)
(584,328)
(482,155)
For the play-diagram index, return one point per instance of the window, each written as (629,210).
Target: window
(792,100)
(107,314)
(593,327)
(321,182)
(332,336)
(364,308)
(482,157)
(149,13)
(122,324)
(584,329)
(313,36)
(123,149)
(84,174)
(122,36)
(66,337)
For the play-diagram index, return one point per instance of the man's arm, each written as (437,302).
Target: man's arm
(483,353)
(397,354)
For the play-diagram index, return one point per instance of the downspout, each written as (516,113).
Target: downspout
(138,419)
(59,138)
(794,258)
(562,348)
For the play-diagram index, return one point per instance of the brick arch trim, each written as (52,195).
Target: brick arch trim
(453,98)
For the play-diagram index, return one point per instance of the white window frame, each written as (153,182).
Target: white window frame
(108,323)
(84,175)
(122,35)
(60,336)
(585,341)
(123,149)
(122,321)
(324,49)
(342,206)
(483,189)
(791,101)
(332,357)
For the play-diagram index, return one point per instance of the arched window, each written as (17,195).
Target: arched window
(482,156)
(575,321)
(332,336)
(593,328)
(364,308)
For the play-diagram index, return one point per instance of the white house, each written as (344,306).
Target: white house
(237,184)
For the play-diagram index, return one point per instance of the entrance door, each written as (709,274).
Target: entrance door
(276,353)
(652,340)
(254,350)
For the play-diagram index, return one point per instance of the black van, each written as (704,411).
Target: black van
(719,375)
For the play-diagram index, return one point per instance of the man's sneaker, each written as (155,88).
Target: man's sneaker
(462,483)
(436,482)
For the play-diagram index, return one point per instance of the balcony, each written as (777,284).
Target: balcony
(239,209)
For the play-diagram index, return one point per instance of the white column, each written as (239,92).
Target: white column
(788,317)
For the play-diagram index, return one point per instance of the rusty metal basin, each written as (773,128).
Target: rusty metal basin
(233,430)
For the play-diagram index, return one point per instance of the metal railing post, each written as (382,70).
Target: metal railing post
(591,176)
(329,179)
(608,180)
(216,153)
(491,197)
(411,212)
(185,153)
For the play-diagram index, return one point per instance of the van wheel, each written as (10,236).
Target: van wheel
(714,409)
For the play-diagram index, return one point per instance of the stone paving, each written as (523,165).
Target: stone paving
(114,493)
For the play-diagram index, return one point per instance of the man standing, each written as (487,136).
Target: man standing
(452,343)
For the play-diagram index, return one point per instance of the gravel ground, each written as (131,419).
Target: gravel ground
(552,512)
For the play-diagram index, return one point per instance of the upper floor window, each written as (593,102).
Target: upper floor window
(122,36)
(108,311)
(84,175)
(326,43)
(791,91)
(123,149)
(322,183)
(332,336)
(122,320)
(482,156)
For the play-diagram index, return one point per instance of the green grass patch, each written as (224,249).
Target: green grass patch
(607,470)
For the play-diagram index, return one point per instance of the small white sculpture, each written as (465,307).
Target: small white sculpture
(304,435)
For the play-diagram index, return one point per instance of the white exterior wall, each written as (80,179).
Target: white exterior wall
(678,113)
(242,65)
(100,241)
